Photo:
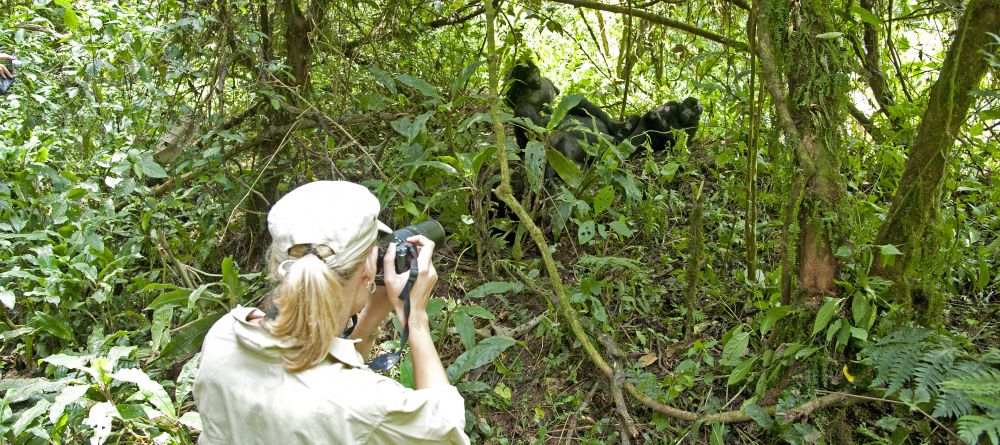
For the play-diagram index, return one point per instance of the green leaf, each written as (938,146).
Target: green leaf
(481,354)
(70,19)
(150,168)
(534,164)
(67,361)
(866,16)
(7,298)
(565,168)
(833,329)
(478,311)
(465,76)
(420,85)
(231,278)
(466,330)
(829,35)
(150,389)
(758,414)
(28,417)
(189,339)
(160,329)
(603,199)
(185,381)
(621,228)
(859,308)
(100,420)
(585,232)
(889,250)
(567,103)
(69,394)
(990,115)
(735,348)
(772,317)
(481,158)
(52,325)
(741,371)
(825,315)
(177,297)
(495,287)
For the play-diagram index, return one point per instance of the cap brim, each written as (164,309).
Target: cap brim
(382,227)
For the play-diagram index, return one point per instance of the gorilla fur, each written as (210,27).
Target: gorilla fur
(530,95)
(657,125)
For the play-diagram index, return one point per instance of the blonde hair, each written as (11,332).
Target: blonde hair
(309,297)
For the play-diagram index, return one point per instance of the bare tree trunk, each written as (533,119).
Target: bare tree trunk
(915,205)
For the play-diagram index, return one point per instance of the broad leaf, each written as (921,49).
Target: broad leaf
(825,315)
(565,168)
(481,354)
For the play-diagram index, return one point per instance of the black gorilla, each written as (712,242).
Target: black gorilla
(657,125)
(529,95)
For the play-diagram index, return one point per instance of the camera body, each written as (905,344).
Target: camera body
(430,228)
(12,66)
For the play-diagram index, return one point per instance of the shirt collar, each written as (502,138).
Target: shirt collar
(257,337)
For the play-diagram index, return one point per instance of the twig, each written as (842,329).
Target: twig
(576,415)
(653,18)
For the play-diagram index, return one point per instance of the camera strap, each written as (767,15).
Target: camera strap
(386,361)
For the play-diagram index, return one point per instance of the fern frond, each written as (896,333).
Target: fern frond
(992,356)
(981,388)
(896,356)
(935,367)
(971,427)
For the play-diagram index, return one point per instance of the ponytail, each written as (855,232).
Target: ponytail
(310,298)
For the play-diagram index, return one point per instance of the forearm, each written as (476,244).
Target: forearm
(428,372)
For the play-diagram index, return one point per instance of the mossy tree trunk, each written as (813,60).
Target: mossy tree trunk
(795,60)
(915,206)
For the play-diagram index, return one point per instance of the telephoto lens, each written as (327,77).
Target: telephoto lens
(430,228)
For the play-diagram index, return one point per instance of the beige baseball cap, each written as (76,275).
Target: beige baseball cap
(338,214)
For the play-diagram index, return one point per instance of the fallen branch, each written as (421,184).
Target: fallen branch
(628,425)
(659,20)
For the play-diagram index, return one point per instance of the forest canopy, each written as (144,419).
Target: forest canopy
(806,251)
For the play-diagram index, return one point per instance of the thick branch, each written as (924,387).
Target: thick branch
(653,18)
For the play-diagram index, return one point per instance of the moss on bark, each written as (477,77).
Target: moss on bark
(915,206)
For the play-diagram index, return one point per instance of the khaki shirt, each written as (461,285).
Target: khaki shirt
(246,396)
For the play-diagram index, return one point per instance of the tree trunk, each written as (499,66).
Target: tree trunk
(915,205)
(299,27)
(808,116)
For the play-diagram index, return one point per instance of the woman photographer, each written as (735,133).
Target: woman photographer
(290,378)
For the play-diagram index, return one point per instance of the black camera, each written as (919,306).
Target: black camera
(5,84)
(430,228)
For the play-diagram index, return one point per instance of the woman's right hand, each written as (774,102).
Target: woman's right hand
(4,73)
(422,287)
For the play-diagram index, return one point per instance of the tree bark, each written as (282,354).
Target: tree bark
(808,116)
(915,205)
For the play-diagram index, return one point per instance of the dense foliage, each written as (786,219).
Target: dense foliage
(143,142)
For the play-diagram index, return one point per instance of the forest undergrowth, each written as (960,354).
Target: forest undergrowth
(143,143)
